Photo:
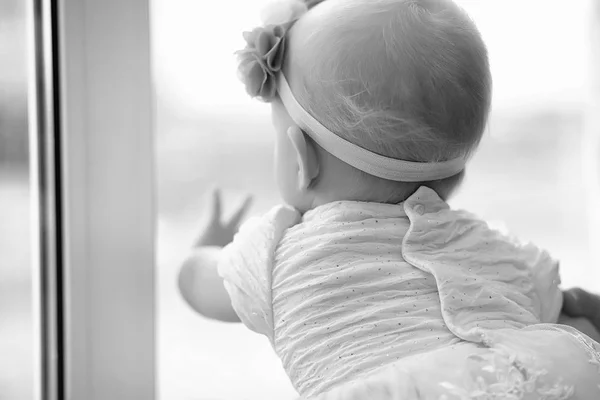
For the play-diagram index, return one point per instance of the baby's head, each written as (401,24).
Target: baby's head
(405,79)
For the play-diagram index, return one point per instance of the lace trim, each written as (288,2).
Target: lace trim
(591,347)
(501,376)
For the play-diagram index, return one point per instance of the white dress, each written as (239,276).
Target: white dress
(409,301)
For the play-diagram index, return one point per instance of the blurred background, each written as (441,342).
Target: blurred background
(16,319)
(527,176)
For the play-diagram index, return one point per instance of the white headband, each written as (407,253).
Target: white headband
(363,159)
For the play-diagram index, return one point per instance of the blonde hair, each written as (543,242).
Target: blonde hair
(407,79)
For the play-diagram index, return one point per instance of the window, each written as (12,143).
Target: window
(18,226)
(97,164)
(118,117)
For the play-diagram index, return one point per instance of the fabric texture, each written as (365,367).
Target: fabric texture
(411,301)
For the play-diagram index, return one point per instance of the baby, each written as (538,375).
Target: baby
(367,284)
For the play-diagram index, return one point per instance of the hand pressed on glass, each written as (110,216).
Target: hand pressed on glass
(220,233)
(199,283)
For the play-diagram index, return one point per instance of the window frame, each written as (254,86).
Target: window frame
(96,199)
(44,203)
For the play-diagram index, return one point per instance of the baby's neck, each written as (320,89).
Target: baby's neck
(375,190)
(364,191)
(339,181)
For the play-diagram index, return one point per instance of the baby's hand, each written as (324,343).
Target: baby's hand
(582,325)
(217,232)
(577,303)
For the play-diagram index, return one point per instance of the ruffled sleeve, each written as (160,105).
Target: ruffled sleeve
(485,279)
(246,267)
(544,271)
(546,280)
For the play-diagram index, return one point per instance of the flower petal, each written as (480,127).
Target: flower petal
(265,42)
(255,79)
(250,37)
(269,88)
(264,55)
(274,58)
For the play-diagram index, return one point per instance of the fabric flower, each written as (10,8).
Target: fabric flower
(263,56)
(261,60)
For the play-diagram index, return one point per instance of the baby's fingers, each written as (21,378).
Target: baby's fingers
(216,206)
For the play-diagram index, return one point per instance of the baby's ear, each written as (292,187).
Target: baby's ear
(306,157)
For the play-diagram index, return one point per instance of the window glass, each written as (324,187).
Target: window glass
(16,274)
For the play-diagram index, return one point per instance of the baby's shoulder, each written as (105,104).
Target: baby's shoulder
(249,258)
(459,233)
(277,219)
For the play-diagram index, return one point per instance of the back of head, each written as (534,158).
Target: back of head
(407,79)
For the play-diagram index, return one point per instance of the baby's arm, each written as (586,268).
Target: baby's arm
(202,287)
(582,324)
(575,307)
(581,310)
(199,282)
